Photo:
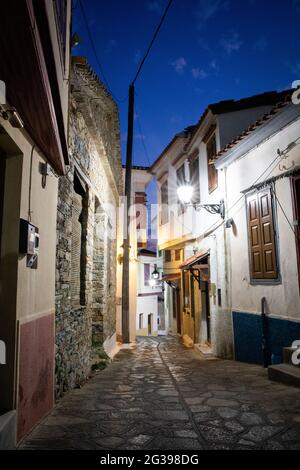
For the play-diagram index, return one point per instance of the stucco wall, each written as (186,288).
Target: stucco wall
(283,298)
(29,293)
(147,306)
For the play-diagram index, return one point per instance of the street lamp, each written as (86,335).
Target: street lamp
(155,274)
(185,194)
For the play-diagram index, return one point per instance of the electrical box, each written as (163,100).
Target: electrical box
(29,243)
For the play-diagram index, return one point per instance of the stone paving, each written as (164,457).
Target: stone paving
(163,396)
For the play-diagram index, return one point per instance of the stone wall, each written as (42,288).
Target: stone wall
(84,322)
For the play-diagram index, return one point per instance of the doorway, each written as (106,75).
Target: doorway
(206,309)
(176,308)
(150,316)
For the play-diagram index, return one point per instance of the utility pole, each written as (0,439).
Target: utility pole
(126,231)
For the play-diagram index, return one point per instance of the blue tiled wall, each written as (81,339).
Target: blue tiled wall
(247,329)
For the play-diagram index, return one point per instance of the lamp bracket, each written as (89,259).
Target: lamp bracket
(213,208)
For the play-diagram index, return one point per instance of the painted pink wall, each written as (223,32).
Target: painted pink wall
(36,372)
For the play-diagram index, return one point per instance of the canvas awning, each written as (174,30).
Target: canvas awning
(198,266)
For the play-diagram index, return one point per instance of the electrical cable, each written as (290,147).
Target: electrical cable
(152,41)
(285,215)
(30,183)
(95,52)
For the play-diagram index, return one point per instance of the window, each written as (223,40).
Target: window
(146,274)
(164,203)
(180,182)
(78,245)
(168,256)
(195,180)
(211,149)
(140,321)
(262,241)
(177,255)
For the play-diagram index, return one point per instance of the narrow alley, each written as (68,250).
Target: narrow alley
(161,395)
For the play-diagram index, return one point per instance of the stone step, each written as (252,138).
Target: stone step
(204,349)
(287,356)
(285,373)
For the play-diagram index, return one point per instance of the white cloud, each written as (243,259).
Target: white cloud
(206,9)
(137,56)
(232,43)
(261,44)
(139,136)
(296,4)
(156,6)
(112,43)
(213,64)
(176,119)
(294,68)
(179,64)
(199,73)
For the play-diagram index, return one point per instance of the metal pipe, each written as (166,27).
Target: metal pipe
(264,320)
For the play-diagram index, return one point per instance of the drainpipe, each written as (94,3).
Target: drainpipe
(264,344)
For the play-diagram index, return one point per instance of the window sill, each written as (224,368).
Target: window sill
(266,282)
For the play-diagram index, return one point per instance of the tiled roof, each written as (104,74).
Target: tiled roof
(187,132)
(271,98)
(266,117)
(193,259)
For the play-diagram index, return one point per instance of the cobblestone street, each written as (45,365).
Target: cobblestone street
(161,395)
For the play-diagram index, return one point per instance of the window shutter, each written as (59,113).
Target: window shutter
(164,203)
(267,235)
(261,236)
(212,173)
(254,237)
(195,180)
(180,181)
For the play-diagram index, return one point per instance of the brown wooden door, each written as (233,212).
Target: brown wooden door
(261,235)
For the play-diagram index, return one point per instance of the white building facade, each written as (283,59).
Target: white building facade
(195,241)
(261,168)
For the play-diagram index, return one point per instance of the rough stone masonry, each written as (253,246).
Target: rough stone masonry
(88,198)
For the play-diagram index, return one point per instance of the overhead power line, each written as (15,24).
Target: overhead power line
(152,40)
(95,52)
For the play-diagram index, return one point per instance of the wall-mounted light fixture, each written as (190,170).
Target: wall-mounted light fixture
(75,40)
(185,194)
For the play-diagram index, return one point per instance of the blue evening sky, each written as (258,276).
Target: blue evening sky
(207,51)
